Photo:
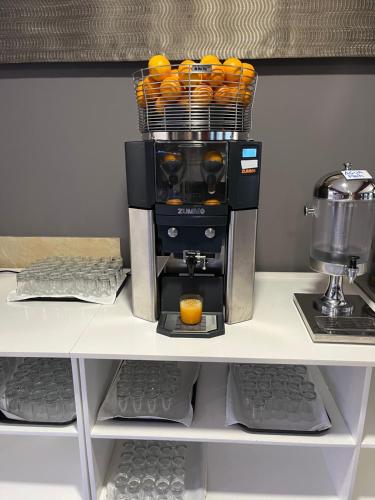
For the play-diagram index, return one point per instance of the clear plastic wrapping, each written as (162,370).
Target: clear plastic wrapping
(90,279)
(38,390)
(275,398)
(151,389)
(148,470)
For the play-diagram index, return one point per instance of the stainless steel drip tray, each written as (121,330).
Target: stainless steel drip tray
(170,324)
(364,284)
(356,328)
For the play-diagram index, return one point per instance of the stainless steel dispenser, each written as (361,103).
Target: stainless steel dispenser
(193,192)
(343,212)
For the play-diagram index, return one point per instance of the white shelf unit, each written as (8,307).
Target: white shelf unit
(72,462)
(365,481)
(328,468)
(37,469)
(369,431)
(45,461)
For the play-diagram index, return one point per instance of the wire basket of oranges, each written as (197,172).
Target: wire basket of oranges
(204,96)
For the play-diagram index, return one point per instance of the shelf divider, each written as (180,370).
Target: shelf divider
(209,420)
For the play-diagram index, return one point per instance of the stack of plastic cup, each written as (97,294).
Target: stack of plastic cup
(71,276)
(276,391)
(41,390)
(147,387)
(150,470)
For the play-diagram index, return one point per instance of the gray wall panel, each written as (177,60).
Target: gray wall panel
(62,159)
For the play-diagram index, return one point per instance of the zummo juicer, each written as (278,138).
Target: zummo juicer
(193,186)
(343,219)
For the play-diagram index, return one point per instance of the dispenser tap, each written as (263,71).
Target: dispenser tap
(192,259)
(191,262)
(352,269)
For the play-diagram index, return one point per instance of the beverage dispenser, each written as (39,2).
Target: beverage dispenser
(343,212)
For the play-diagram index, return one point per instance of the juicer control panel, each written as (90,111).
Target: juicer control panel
(244,174)
(249,161)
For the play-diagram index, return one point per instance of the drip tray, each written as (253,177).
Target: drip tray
(356,328)
(170,324)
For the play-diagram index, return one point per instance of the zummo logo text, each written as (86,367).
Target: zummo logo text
(191,211)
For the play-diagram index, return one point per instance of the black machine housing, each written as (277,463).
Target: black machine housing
(192,187)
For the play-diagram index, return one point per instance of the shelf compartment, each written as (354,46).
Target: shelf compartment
(368,440)
(209,420)
(36,468)
(14,427)
(364,488)
(256,473)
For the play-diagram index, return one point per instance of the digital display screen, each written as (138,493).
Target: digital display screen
(249,153)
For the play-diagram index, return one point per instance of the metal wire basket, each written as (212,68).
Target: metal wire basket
(195,97)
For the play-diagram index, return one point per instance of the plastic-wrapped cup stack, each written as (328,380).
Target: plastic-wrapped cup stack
(41,390)
(71,276)
(147,387)
(5,368)
(150,470)
(276,391)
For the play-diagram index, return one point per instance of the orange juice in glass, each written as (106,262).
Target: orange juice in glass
(191,309)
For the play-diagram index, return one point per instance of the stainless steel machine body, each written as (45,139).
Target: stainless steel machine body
(343,219)
(239,302)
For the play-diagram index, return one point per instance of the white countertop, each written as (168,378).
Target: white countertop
(40,328)
(275,334)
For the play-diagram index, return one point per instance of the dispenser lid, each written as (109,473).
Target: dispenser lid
(346,185)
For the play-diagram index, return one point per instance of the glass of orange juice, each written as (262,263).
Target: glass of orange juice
(191,309)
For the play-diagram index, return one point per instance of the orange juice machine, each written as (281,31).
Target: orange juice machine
(193,190)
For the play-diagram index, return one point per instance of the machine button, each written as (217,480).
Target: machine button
(210,233)
(172,232)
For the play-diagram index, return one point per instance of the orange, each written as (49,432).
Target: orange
(141,101)
(210,59)
(239,93)
(159,67)
(234,95)
(170,89)
(174,74)
(189,78)
(248,73)
(222,95)
(172,157)
(160,104)
(196,79)
(213,156)
(184,71)
(217,75)
(202,95)
(211,201)
(174,201)
(247,97)
(239,85)
(184,101)
(151,89)
(232,68)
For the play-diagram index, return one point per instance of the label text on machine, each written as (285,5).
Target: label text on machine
(191,211)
